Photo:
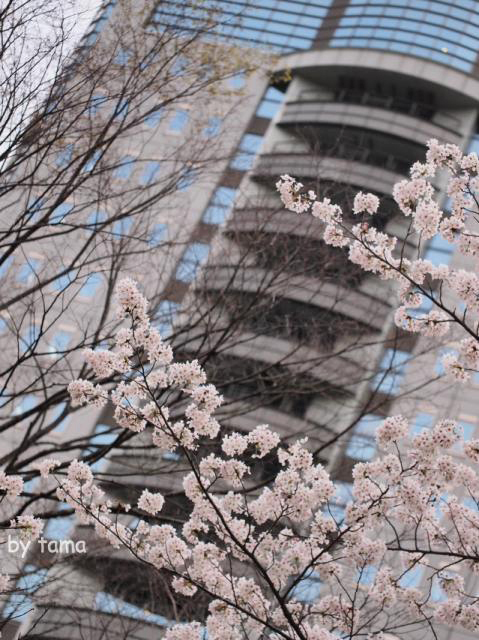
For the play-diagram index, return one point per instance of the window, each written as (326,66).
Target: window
(362,445)
(60,213)
(220,205)
(421,421)
(95,104)
(90,39)
(426,307)
(179,66)
(171,456)
(308,589)
(272,25)
(103,436)
(64,281)
(191,261)
(150,172)
(437,594)
(60,528)
(245,155)
(121,109)
(34,207)
(391,371)
(5,266)
(28,271)
(92,161)
(103,19)
(179,121)
(164,316)
(107,603)
(122,57)
(20,604)
(411,578)
(56,413)
(95,219)
(186,180)
(422,29)
(64,157)
(473,144)
(122,227)
(237,81)
(468,429)
(367,575)
(153,119)
(59,343)
(125,169)
(91,286)
(29,338)
(338,503)
(270,104)
(157,234)
(439,251)
(213,127)
(27,403)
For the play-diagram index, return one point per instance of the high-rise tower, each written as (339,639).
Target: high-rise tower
(357,89)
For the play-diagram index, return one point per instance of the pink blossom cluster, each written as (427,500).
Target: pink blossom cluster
(253,548)
(389,257)
(12,485)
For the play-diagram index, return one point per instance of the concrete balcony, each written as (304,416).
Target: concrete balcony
(72,623)
(322,365)
(365,304)
(290,223)
(301,163)
(366,116)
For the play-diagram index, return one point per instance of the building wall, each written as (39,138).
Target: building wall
(393,74)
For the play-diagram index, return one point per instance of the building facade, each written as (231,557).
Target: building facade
(358,88)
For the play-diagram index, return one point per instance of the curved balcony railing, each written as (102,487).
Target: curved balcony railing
(292,159)
(367,116)
(413,108)
(364,304)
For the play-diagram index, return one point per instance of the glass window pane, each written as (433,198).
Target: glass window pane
(103,436)
(179,121)
(124,171)
(220,205)
(60,212)
(28,271)
(187,179)
(468,429)
(122,227)
(421,421)
(308,589)
(213,128)
(150,172)
(157,234)
(248,147)
(60,528)
(192,259)
(92,161)
(91,286)
(59,342)
(64,157)
(122,57)
(165,316)
(362,445)
(392,371)
(154,118)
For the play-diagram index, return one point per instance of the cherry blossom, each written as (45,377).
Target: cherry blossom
(287,531)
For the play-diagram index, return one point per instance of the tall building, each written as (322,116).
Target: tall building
(358,87)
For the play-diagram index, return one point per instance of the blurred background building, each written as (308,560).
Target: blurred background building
(356,89)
